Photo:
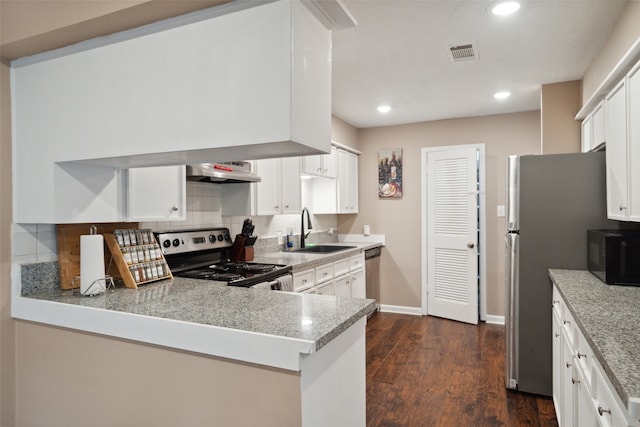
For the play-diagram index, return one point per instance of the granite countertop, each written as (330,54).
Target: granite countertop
(258,326)
(608,317)
(304,260)
(313,318)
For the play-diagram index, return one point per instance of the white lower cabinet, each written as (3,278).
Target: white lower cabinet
(326,288)
(303,280)
(343,278)
(582,394)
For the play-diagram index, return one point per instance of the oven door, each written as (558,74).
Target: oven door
(280,283)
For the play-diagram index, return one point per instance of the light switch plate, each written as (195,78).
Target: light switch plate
(500,211)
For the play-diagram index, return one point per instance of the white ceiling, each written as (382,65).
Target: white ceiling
(397,55)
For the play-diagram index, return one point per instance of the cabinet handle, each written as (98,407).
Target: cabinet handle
(555,301)
(581,355)
(564,322)
(174,209)
(621,207)
(568,364)
(575,381)
(601,410)
(276,207)
(557,335)
(286,206)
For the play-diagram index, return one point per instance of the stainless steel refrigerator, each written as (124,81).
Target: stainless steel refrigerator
(552,200)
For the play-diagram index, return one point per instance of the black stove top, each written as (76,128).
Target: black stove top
(237,273)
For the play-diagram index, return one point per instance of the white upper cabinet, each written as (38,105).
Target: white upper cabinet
(347,182)
(622,106)
(598,125)
(586,136)
(633,144)
(156,194)
(279,190)
(238,85)
(321,164)
(616,134)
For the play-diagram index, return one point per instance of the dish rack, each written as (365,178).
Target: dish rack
(138,257)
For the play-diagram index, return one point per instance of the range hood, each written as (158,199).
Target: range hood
(224,172)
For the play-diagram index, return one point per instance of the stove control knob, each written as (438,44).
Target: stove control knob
(220,237)
(212,238)
(166,243)
(176,242)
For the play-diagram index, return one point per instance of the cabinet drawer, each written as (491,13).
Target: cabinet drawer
(584,358)
(324,273)
(302,280)
(556,304)
(356,262)
(568,325)
(341,267)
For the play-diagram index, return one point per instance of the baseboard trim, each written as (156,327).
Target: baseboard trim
(400,309)
(496,320)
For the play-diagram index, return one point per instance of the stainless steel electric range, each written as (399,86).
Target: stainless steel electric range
(204,254)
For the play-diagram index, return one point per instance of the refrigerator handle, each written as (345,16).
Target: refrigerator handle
(511,311)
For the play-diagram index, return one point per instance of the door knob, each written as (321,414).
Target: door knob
(471,245)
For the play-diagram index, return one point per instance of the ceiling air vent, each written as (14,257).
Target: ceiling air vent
(462,53)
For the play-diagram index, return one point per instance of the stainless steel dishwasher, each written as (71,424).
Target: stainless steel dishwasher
(372,273)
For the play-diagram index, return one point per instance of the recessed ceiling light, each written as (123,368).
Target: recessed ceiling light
(384,109)
(505,8)
(501,95)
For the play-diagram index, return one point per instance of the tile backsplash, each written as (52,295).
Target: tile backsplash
(37,242)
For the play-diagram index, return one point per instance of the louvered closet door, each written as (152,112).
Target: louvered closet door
(452,233)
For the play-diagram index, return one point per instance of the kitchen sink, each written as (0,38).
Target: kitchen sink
(324,249)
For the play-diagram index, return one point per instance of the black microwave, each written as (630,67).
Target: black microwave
(614,256)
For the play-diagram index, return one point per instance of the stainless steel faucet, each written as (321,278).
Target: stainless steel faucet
(309,226)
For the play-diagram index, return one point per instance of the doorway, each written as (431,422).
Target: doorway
(453,232)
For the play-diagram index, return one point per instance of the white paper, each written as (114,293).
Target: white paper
(92,264)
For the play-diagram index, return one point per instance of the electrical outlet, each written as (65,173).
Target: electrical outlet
(500,211)
(366,230)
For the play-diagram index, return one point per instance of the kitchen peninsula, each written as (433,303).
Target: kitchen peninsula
(292,359)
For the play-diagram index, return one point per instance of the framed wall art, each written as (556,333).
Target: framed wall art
(390,173)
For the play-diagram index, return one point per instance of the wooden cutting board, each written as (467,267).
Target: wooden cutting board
(68,238)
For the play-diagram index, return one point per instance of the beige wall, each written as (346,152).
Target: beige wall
(399,220)
(7,329)
(68,378)
(560,103)
(344,133)
(626,31)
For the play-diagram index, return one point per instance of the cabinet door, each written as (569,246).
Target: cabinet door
(268,190)
(156,194)
(353,182)
(586,134)
(329,163)
(326,289)
(358,284)
(290,185)
(597,126)
(343,182)
(586,411)
(633,143)
(342,286)
(557,364)
(616,136)
(568,386)
(312,165)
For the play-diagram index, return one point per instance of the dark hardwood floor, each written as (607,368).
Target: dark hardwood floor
(427,371)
